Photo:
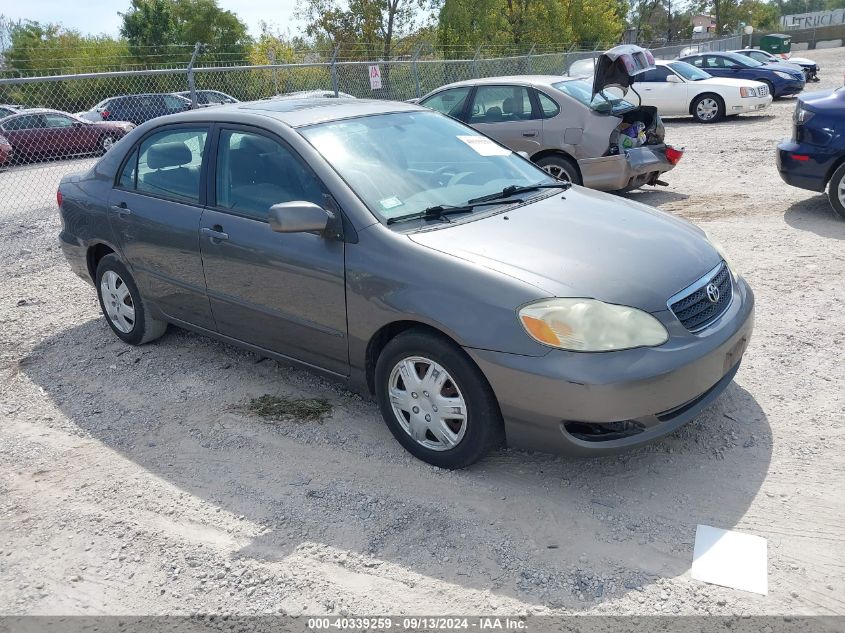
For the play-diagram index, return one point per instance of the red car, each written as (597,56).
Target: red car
(50,133)
(5,151)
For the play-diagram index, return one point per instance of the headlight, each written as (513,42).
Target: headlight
(587,325)
(783,75)
(747,92)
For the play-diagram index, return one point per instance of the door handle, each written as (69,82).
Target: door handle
(216,234)
(121,209)
(529,134)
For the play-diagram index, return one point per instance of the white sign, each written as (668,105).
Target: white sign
(375,78)
(484,146)
(812,20)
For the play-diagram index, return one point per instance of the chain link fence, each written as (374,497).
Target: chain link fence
(39,146)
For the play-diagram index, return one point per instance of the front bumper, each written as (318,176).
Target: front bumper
(809,174)
(749,104)
(789,87)
(632,169)
(545,401)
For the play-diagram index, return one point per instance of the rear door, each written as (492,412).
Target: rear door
(25,133)
(64,135)
(506,113)
(155,210)
(281,292)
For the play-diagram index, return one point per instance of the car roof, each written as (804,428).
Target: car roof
(522,80)
(300,112)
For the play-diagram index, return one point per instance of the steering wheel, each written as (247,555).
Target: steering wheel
(441,173)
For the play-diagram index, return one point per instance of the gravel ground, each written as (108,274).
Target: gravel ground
(133,481)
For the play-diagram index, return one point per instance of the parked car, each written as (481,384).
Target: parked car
(208,97)
(781,79)
(807,66)
(814,158)
(679,89)
(136,108)
(570,128)
(410,257)
(40,133)
(5,151)
(7,109)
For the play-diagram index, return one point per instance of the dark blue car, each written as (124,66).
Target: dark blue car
(814,158)
(782,79)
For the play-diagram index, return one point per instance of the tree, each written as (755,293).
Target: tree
(150,28)
(362,28)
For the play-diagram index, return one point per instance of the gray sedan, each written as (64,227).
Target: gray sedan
(399,251)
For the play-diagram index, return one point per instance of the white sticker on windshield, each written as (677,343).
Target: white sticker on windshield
(484,146)
(390,203)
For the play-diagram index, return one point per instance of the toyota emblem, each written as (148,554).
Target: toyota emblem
(712,292)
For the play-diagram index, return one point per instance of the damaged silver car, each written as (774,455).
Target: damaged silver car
(577,131)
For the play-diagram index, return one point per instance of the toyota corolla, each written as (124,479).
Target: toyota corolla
(478,299)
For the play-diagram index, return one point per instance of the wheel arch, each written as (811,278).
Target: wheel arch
(836,165)
(387,333)
(558,152)
(95,253)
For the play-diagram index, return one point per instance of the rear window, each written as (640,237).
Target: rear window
(582,91)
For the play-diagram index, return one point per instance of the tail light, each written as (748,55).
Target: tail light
(105,114)
(673,154)
(59,197)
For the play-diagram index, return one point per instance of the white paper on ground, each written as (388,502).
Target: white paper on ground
(730,559)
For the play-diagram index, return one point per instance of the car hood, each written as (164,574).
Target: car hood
(801,61)
(584,244)
(783,67)
(726,81)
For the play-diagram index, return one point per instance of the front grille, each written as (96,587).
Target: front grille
(694,306)
(763,90)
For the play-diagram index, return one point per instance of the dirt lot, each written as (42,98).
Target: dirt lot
(133,481)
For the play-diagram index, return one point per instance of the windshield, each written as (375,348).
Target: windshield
(583,92)
(405,162)
(689,72)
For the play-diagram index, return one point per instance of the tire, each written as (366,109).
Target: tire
(561,167)
(459,442)
(708,108)
(107,141)
(836,191)
(115,288)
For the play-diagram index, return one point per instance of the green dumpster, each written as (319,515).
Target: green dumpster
(776,43)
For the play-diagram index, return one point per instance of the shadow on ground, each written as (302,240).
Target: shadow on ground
(547,530)
(817,216)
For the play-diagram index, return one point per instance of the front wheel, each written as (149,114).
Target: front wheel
(708,109)
(836,191)
(560,167)
(106,143)
(122,304)
(435,401)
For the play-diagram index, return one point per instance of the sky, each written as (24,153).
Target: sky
(100,16)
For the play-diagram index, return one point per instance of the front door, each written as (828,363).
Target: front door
(155,210)
(281,292)
(505,113)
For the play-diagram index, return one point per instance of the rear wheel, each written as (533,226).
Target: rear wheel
(435,401)
(836,191)
(708,108)
(560,167)
(122,304)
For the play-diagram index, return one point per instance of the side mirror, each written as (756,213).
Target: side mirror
(673,79)
(298,217)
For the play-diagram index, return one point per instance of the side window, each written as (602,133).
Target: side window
(500,104)
(659,74)
(130,168)
(547,105)
(697,61)
(255,172)
(169,163)
(172,102)
(58,120)
(29,122)
(449,102)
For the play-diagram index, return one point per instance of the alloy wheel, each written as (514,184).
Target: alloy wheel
(427,403)
(117,301)
(556,171)
(707,109)
(840,190)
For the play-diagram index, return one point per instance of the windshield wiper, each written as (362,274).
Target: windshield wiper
(440,211)
(513,190)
